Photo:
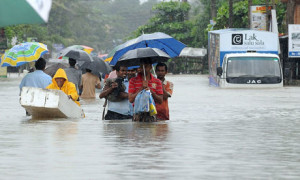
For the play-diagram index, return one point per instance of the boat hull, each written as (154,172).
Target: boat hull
(48,103)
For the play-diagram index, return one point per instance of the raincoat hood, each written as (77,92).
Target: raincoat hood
(60,73)
(68,87)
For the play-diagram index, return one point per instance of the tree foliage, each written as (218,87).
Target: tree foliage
(170,18)
(99,24)
(105,24)
(240,14)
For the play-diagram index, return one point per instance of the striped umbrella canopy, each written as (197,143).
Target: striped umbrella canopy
(112,52)
(82,47)
(23,53)
(87,49)
(158,40)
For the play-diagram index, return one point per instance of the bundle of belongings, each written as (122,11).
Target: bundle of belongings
(144,107)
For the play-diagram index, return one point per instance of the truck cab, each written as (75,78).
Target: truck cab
(250,70)
(244,58)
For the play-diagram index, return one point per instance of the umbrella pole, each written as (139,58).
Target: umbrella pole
(154,71)
(144,72)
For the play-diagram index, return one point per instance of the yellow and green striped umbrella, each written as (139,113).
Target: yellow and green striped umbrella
(112,52)
(23,53)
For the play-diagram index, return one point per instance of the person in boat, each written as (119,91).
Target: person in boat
(115,90)
(148,82)
(60,82)
(89,83)
(74,75)
(37,78)
(162,109)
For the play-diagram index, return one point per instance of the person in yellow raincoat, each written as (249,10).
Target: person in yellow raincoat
(60,82)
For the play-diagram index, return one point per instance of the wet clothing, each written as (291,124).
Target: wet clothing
(37,79)
(111,97)
(136,83)
(144,117)
(89,81)
(122,106)
(110,115)
(68,87)
(74,76)
(163,108)
(154,84)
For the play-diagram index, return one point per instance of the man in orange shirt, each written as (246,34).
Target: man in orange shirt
(163,108)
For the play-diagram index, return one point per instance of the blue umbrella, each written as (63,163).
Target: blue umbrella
(157,40)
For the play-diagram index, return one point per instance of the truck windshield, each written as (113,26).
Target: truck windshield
(253,67)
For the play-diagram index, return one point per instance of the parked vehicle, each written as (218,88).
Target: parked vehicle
(240,58)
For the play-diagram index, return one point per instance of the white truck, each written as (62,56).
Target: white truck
(241,58)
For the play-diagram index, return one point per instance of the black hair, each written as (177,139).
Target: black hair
(117,67)
(88,70)
(72,61)
(161,65)
(146,61)
(40,64)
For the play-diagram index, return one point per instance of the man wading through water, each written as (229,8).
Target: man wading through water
(116,93)
(162,109)
(148,82)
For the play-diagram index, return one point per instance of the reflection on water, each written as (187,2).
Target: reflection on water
(213,134)
(135,131)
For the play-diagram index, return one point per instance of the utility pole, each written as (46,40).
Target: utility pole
(268,15)
(213,9)
(230,13)
(290,11)
(249,13)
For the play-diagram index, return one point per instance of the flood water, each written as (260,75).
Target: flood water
(213,134)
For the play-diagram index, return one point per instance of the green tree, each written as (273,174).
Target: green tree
(200,16)
(170,18)
(240,14)
(99,24)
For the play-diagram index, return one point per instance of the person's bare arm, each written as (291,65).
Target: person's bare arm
(107,90)
(131,96)
(166,95)
(123,95)
(98,83)
(98,86)
(158,98)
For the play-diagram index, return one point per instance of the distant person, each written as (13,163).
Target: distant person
(89,83)
(60,82)
(37,78)
(115,92)
(112,74)
(148,82)
(73,74)
(163,108)
(131,72)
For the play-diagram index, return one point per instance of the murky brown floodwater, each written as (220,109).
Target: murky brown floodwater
(213,134)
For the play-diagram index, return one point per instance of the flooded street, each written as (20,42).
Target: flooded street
(213,134)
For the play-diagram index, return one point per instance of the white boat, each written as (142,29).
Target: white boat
(48,103)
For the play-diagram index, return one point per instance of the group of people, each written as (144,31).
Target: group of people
(121,96)
(119,92)
(69,80)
